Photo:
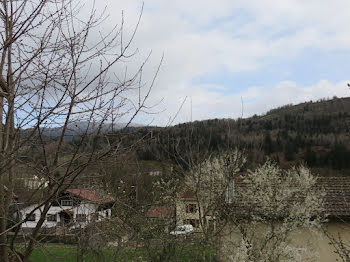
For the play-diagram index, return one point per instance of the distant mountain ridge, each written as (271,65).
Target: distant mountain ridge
(315,133)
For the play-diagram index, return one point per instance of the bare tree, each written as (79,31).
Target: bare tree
(57,69)
(212,183)
(340,244)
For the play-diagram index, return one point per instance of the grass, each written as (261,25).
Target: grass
(58,253)
(69,254)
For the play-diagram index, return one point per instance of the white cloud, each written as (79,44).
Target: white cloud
(289,92)
(199,37)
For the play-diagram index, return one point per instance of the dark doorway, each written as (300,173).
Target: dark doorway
(66,218)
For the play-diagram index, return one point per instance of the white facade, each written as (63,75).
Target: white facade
(35,182)
(68,216)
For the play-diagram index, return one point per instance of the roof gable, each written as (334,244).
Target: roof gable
(90,195)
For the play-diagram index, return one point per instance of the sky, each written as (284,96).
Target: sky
(233,58)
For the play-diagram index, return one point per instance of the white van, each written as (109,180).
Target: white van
(182,230)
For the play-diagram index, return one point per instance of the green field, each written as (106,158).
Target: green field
(191,252)
(58,254)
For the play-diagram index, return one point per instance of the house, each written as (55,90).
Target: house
(73,208)
(35,182)
(336,204)
(186,211)
(190,211)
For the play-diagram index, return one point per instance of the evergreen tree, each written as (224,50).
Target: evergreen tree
(310,157)
(289,151)
(268,144)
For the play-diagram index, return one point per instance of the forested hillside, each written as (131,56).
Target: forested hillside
(315,133)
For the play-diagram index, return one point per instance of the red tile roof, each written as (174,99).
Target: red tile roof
(337,199)
(336,202)
(91,195)
(161,212)
(187,194)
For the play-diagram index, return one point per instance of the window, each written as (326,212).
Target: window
(80,218)
(30,217)
(191,208)
(51,218)
(66,203)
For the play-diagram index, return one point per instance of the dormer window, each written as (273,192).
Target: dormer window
(66,203)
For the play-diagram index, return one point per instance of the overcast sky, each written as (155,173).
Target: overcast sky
(266,53)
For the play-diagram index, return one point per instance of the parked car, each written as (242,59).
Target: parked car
(182,230)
